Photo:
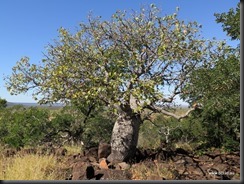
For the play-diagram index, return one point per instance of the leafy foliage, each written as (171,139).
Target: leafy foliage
(3,103)
(166,132)
(74,124)
(217,89)
(230,22)
(221,101)
(20,126)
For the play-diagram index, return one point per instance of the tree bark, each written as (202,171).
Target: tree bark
(124,136)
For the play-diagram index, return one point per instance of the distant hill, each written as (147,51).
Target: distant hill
(10,104)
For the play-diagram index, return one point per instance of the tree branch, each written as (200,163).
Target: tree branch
(157,109)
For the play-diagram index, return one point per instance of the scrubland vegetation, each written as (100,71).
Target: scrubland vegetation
(51,125)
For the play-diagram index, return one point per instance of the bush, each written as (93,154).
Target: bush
(189,130)
(98,128)
(73,124)
(21,126)
(3,103)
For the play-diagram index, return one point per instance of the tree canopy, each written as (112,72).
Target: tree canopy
(230,22)
(139,59)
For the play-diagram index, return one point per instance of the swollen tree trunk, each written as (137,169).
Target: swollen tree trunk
(124,136)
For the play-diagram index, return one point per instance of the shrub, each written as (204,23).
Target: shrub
(77,126)
(3,103)
(21,126)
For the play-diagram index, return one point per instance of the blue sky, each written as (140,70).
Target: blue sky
(27,26)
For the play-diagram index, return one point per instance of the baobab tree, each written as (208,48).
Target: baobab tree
(136,64)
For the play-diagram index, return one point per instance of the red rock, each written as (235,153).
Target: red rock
(103,164)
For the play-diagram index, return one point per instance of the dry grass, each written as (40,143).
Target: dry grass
(151,171)
(34,166)
(29,167)
(73,149)
(184,145)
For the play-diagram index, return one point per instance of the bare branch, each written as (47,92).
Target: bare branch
(167,113)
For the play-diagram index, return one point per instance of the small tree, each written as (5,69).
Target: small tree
(132,63)
(217,88)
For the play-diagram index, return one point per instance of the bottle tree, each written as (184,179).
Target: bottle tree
(135,64)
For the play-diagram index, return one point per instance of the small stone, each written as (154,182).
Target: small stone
(103,164)
(124,165)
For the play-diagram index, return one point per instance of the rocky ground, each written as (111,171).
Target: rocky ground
(160,164)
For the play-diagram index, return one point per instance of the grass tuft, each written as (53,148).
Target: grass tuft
(150,171)
(73,149)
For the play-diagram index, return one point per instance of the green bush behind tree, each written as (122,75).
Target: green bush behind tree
(32,126)
(20,126)
(217,89)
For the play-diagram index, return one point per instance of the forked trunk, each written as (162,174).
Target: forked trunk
(124,137)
